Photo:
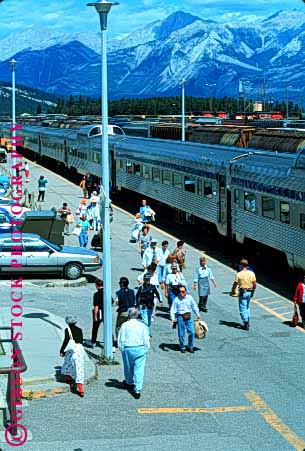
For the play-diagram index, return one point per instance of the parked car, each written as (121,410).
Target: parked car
(43,257)
(4,184)
(5,220)
(3,155)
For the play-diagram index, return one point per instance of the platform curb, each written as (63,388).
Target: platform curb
(32,395)
(50,284)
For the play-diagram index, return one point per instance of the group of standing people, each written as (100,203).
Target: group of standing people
(88,186)
(162,279)
(87,217)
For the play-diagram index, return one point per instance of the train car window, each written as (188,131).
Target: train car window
(166,177)
(268,207)
(128,167)
(199,187)
(236,196)
(285,212)
(146,171)
(302,221)
(156,174)
(136,169)
(177,181)
(189,184)
(249,202)
(121,164)
(208,189)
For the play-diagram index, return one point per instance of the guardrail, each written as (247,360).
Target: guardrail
(18,362)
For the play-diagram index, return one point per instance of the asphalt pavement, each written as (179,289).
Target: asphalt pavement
(240,391)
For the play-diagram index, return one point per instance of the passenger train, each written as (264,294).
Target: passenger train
(246,193)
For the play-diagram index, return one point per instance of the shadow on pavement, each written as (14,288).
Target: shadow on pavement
(91,278)
(289,324)
(163,315)
(169,347)
(230,324)
(115,383)
(42,316)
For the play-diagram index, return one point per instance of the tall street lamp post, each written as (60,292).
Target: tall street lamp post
(13,146)
(103,8)
(183,110)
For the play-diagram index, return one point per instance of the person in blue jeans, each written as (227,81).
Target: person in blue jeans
(181,313)
(84,224)
(133,342)
(245,280)
(42,182)
(145,299)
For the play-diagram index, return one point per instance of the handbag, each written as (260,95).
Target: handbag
(70,218)
(186,316)
(295,317)
(71,346)
(201,328)
(76,231)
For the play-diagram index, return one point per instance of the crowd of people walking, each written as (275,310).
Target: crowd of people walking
(162,285)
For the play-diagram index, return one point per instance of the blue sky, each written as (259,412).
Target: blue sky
(74,15)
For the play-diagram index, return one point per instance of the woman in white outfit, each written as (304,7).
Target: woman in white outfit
(73,352)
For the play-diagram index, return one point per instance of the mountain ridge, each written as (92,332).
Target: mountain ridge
(211,56)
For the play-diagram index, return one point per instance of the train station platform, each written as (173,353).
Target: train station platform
(237,392)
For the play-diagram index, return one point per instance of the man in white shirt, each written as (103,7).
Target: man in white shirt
(181,314)
(134,342)
(152,254)
(172,282)
(162,262)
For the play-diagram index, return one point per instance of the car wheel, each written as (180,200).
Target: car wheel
(73,271)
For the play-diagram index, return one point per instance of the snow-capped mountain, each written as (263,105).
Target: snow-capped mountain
(39,38)
(212,57)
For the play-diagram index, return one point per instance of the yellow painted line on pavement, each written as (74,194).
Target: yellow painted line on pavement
(273,302)
(167,410)
(257,404)
(274,313)
(274,421)
(268,297)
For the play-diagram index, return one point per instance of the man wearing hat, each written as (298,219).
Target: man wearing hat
(152,254)
(94,213)
(133,341)
(172,282)
(145,299)
(202,278)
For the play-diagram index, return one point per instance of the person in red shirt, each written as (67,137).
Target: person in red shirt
(299,298)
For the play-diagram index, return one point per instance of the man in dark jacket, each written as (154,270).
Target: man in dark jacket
(97,312)
(145,299)
(125,299)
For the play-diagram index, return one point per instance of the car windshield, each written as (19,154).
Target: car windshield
(56,247)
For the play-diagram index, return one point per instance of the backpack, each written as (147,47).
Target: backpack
(126,299)
(146,297)
(180,256)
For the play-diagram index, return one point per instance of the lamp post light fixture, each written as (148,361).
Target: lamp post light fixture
(183,110)
(103,8)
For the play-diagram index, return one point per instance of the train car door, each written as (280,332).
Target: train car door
(222,204)
(39,144)
(112,170)
(66,154)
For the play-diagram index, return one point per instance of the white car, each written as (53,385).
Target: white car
(43,257)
